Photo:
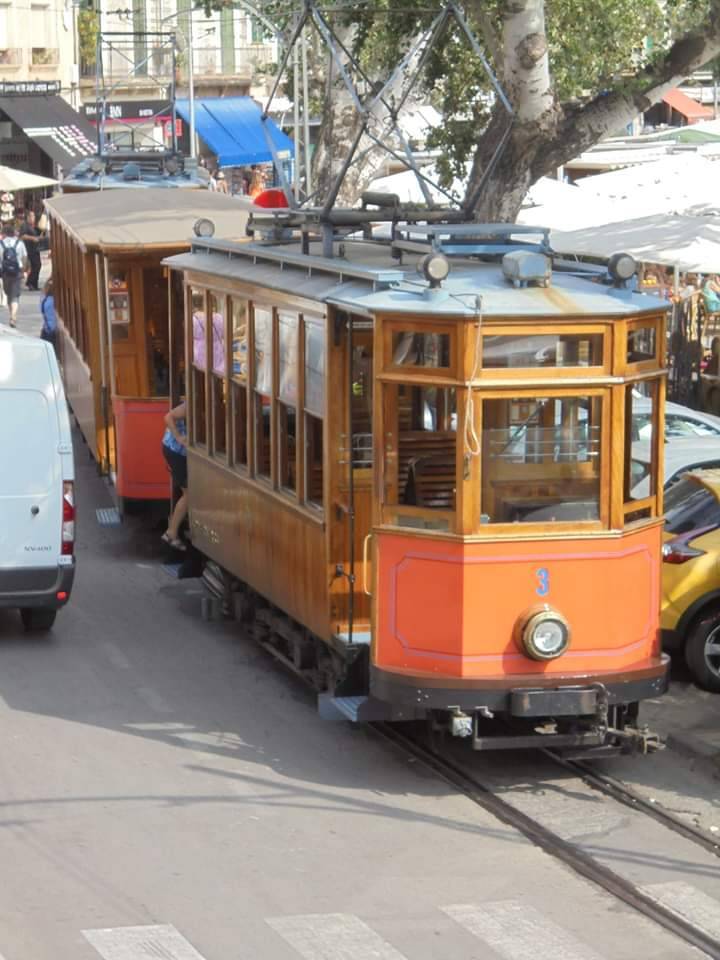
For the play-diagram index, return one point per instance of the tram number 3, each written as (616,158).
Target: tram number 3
(543,582)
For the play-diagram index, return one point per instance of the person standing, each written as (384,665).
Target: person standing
(13,263)
(47,308)
(30,234)
(174,448)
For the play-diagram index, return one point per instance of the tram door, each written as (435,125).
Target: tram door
(353,486)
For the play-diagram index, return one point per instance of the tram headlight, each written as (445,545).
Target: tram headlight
(204,228)
(546,635)
(434,267)
(622,266)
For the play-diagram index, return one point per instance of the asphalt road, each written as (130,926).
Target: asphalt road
(168,792)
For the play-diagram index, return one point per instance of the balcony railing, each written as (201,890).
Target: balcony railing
(11,57)
(44,56)
(213,61)
(207,62)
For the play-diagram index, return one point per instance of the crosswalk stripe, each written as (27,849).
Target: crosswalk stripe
(158,942)
(517,931)
(333,936)
(688,902)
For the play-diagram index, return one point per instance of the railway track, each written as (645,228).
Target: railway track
(577,859)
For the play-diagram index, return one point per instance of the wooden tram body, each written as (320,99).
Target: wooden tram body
(111,296)
(415,489)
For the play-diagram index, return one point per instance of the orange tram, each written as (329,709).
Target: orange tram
(410,471)
(111,296)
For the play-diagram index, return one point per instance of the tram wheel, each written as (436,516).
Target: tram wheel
(702,653)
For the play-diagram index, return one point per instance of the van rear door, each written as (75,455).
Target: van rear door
(31,479)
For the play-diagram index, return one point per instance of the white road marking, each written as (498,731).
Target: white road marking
(161,942)
(333,936)
(689,903)
(518,931)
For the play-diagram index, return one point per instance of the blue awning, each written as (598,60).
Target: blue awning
(233,129)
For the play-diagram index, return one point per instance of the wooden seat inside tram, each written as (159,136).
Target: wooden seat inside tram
(426,469)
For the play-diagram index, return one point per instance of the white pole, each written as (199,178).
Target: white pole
(191,85)
(306,116)
(296,121)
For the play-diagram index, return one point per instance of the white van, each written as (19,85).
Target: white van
(37,496)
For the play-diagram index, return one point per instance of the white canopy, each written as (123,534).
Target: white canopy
(691,243)
(12,180)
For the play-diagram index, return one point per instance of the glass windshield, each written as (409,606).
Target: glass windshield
(690,506)
(541,459)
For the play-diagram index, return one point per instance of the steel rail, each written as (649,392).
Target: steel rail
(569,853)
(625,794)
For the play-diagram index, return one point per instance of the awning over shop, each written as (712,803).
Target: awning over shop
(689,108)
(58,130)
(233,129)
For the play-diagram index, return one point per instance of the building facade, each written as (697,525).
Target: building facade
(38,45)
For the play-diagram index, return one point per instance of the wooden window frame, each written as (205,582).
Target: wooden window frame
(631,369)
(217,379)
(193,369)
(295,495)
(269,480)
(549,372)
(413,324)
(490,530)
(236,384)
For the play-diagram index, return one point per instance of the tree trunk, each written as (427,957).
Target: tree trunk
(544,135)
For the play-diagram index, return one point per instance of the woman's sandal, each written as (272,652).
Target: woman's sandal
(176,543)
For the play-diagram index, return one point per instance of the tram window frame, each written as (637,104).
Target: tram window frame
(648,503)
(287,396)
(217,363)
(313,419)
(486,525)
(401,481)
(239,353)
(412,326)
(650,361)
(548,371)
(197,335)
(263,396)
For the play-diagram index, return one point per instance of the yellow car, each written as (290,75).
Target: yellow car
(690,616)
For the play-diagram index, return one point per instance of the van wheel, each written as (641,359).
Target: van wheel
(37,619)
(702,653)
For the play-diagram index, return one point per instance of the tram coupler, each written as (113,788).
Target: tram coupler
(637,740)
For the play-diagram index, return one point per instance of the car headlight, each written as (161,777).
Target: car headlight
(546,635)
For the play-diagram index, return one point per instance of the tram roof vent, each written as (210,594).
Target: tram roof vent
(523,267)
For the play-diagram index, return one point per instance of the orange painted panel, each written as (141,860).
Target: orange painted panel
(142,473)
(453,608)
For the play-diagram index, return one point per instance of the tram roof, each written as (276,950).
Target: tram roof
(368,280)
(131,219)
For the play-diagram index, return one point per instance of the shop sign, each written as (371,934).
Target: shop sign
(29,88)
(136,110)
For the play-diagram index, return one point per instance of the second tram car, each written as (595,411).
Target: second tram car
(111,294)
(411,469)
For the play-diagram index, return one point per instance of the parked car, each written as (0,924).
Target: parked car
(37,506)
(679,421)
(681,455)
(690,614)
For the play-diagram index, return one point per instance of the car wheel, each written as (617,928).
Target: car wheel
(702,653)
(37,619)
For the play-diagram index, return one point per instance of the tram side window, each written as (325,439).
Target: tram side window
(541,459)
(641,344)
(362,399)
(288,328)
(199,363)
(421,471)
(155,295)
(238,381)
(639,468)
(262,388)
(314,410)
(218,384)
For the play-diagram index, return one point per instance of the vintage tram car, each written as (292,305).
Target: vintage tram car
(411,470)
(111,296)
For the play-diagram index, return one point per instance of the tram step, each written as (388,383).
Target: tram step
(355,709)
(108,516)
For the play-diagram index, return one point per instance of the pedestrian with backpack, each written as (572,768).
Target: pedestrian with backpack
(13,264)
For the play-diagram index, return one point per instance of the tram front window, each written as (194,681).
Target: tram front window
(541,460)
(420,473)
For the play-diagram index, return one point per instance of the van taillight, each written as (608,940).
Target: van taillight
(68,521)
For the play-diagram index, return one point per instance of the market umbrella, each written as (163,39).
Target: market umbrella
(13,180)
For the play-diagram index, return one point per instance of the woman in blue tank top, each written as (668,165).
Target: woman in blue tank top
(174,448)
